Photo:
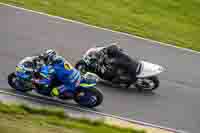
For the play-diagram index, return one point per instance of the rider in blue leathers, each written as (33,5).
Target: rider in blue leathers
(64,72)
(54,67)
(67,74)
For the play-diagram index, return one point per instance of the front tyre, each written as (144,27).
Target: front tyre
(147,84)
(12,79)
(89,97)
(82,67)
(15,84)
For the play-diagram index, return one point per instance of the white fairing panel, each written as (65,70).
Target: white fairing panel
(148,69)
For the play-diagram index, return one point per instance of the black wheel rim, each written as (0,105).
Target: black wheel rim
(147,84)
(87,98)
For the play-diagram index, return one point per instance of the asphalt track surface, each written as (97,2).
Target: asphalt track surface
(175,104)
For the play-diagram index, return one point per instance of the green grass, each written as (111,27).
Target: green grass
(171,21)
(26,119)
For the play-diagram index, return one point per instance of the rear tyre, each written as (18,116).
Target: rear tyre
(147,84)
(89,97)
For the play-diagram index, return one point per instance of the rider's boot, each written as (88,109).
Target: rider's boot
(55,92)
(61,92)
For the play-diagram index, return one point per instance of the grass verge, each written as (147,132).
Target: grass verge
(25,119)
(170,21)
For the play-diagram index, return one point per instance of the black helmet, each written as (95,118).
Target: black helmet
(111,47)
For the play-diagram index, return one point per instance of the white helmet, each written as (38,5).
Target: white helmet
(49,55)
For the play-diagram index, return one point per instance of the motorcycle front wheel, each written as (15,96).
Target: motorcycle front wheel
(12,80)
(82,67)
(15,84)
(88,97)
(147,84)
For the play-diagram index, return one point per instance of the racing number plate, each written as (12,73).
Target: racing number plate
(68,66)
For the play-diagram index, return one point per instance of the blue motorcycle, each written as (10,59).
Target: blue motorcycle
(86,94)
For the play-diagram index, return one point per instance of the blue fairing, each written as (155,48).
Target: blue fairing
(86,84)
(48,73)
(23,75)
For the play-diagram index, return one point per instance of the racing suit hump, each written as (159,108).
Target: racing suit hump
(67,74)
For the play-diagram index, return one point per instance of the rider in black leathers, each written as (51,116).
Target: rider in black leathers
(120,59)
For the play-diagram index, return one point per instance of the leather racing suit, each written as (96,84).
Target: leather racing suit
(120,59)
(62,71)
(69,76)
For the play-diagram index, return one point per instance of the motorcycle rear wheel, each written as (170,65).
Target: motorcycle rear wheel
(147,84)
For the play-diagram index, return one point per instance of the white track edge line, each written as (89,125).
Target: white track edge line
(96,112)
(106,29)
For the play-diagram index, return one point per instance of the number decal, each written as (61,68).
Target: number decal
(68,66)
(18,69)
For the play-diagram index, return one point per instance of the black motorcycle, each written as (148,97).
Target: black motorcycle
(147,72)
